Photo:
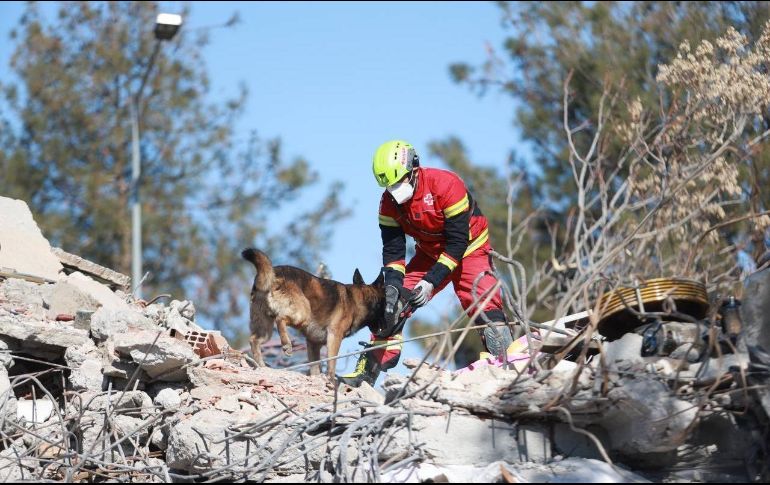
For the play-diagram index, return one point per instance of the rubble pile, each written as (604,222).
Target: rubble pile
(98,386)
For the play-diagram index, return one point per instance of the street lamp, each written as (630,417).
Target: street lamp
(166,26)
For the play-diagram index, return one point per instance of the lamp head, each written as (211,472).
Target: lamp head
(167,25)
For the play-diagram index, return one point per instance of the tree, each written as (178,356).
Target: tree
(491,187)
(65,150)
(604,44)
(612,53)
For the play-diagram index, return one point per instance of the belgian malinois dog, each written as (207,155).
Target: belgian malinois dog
(325,311)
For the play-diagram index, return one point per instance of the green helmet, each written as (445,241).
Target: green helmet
(392,160)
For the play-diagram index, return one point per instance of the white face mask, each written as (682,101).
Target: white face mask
(401,191)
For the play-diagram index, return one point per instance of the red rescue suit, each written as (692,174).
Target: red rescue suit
(451,236)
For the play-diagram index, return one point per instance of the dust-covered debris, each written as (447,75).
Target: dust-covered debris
(132,392)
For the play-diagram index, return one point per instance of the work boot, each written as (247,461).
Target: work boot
(371,363)
(496,338)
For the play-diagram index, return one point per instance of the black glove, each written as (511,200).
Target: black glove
(392,305)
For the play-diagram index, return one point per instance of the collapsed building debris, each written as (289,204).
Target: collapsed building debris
(73,262)
(129,391)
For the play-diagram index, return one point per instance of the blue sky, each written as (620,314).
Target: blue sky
(335,79)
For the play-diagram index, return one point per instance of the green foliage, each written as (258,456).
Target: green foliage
(65,148)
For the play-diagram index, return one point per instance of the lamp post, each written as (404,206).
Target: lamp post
(166,26)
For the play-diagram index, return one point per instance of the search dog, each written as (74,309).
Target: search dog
(323,310)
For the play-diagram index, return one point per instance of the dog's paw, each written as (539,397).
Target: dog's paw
(287,349)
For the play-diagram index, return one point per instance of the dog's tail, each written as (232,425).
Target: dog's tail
(265,274)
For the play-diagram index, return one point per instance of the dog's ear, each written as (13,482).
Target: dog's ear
(380,281)
(357,278)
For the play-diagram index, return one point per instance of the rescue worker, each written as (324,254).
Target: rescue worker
(451,235)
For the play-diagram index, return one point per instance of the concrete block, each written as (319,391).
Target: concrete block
(106,322)
(97,291)
(162,360)
(69,299)
(473,440)
(628,348)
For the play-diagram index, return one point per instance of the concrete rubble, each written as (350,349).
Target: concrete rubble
(22,245)
(104,275)
(129,391)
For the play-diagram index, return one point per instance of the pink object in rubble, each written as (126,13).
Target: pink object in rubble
(520,344)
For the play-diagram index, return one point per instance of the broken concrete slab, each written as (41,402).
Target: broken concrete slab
(132,426)
(42,338)
(68,299)
(8,402)
(13,468)
(712,369)
(131,403)
(646,417)
(628,348)
(159,436)
(86,364)
(197,444)
(24,297)
(473,440)
(22,245)
(92,425)
(577,470)
(124,370)
(97,291)
(106,322)
(96,271)
(164,359)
